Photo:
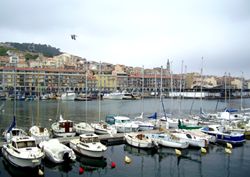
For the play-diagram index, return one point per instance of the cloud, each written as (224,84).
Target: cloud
(136,33)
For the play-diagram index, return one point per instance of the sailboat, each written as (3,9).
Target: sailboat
(20,150)
(84,127)
(38,132)
(13,131)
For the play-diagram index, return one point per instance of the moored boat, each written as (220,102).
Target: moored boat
(83,127)
(23,152)
(122,124)
(88,145)
(224,136)
(139,140)
(39,133)
(168,140)
(103,128)
(63,128)
(192,139)
(57,152)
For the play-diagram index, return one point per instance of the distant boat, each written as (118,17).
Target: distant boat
(119,96)
(68,96)
(113,96)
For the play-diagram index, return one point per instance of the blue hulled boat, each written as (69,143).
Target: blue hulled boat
(224,136)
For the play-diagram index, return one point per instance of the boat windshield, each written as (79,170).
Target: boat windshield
(90,140)
(25,144)
(122,121)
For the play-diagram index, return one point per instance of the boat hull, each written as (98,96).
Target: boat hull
(83,150)
(21,162)
(146,143)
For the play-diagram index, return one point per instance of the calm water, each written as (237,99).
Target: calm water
(144,163)
(46,112)
(163,163)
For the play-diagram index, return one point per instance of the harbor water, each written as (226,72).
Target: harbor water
(154,163)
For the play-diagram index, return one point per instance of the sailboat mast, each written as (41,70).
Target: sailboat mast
(99,94)
(86,91)
(142,88)
(161,85)
(201,106)
(241,92)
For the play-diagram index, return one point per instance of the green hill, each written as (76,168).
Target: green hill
(44,49)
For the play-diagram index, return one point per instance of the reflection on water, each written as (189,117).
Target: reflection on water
(18,172)
(163,163)
(29,112)
(91,164)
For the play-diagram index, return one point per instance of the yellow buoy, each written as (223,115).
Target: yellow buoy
(127,160)
(228,151)
(177,152)
(40,172)
(229,145)
(203,150)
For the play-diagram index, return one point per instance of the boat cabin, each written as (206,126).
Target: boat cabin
(89,138)
(23,142)
(66,125)
(111,119)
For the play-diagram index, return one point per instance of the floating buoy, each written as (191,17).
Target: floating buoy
(228,151)
(40,172)
(127,159)
(50,120)
(113,165)
(229,145)
(177,152)
(203,150)
(81,170)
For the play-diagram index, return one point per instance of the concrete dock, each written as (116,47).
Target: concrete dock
(117,138)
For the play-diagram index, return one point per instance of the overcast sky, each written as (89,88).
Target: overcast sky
(138,32)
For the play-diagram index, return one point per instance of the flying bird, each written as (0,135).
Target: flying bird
(73,36)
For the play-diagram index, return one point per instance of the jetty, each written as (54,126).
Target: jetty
(107,139)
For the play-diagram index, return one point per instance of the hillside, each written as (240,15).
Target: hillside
(44,49)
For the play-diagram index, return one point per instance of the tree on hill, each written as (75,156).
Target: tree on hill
(46,50)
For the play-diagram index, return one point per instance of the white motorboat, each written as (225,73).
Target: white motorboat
(88,145)
(144,125)
(56,151)
(122,124)
(63,128)
(139,140)
(114,95)
(23,152)
(39,133)
(103,128)
(168,140)
(193,140)
(83,127)
(68,96)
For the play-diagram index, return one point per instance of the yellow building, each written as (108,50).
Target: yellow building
(106,82)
